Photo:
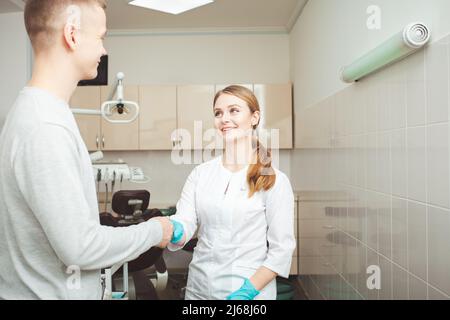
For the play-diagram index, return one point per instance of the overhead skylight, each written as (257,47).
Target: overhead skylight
(170,6)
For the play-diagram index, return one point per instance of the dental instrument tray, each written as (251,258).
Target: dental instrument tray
(107,169)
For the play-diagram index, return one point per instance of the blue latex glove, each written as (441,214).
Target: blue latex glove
(246,292)
(178,232)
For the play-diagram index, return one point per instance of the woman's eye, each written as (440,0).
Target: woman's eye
(217,114)
(234,110)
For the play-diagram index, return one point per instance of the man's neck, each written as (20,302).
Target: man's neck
(53,76)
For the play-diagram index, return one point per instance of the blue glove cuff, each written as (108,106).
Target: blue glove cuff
(250,289)
(246,292)
(178,232)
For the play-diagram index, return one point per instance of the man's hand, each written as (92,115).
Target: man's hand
(167,228)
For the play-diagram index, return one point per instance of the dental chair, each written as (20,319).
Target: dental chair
(129,208)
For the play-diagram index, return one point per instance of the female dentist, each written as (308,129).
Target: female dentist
(244,211)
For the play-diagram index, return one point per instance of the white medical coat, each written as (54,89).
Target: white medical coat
(236,234)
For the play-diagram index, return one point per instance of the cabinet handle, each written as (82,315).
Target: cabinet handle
(96,141)
(103,141)
(328,227)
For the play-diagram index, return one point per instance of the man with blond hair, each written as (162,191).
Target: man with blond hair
(52,245)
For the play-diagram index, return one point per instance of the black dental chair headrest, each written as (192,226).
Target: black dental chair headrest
(120,201)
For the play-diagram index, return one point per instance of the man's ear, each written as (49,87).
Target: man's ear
(71,36)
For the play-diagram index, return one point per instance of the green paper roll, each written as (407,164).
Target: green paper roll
(413,37)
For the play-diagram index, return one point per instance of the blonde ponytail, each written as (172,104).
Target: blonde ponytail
(260,176)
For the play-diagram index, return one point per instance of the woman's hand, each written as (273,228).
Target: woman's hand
(178,232)
(246,292)
(250,288)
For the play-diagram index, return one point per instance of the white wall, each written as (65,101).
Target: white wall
(201,58)
(331,34)
(13,60)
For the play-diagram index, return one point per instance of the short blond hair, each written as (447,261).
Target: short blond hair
(40,15)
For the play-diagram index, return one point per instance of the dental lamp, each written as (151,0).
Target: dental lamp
(111,106)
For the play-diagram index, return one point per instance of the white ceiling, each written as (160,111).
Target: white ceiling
(219,14)
(234,14)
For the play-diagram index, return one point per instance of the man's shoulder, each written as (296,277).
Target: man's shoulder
(32,111)
(23,117)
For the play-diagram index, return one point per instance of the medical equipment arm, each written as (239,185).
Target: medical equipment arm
(120,105)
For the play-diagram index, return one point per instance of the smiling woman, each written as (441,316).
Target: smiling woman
(237,115)
(242,207)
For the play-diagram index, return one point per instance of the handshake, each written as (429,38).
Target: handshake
(172,232)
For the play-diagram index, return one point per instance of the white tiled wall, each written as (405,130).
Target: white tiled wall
(385,141)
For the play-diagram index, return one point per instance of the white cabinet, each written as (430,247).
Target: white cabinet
(178,116)
(275,101)
(325,246)
(158,118)
(89,125)
(195,115)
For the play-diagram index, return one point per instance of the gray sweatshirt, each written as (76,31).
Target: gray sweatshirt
(52,245)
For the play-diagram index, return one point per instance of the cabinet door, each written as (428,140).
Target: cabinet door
(195,106)
(158,119)
(89,125)
(120,136)
(275,101)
